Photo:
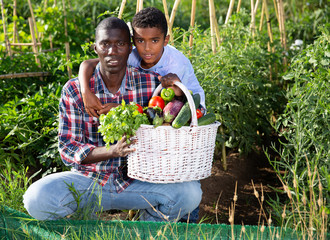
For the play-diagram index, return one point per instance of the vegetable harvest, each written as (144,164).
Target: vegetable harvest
(122,120)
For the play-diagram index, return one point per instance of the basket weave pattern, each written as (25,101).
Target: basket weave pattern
(168,155)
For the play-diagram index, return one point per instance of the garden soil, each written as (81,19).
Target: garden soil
(251,172)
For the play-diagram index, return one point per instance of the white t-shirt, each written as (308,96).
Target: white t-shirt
(173,61)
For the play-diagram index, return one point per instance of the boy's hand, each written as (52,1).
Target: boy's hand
(92,103)
(168,82)
(106,108)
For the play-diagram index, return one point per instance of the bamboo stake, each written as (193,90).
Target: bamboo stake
(121,10)
(34,41)
(230,10)
(14,21)
(192,24)
(252,27)
(7,43)
(67,45)
(212,27)
(255,8)
(270,34)
(239,6)
(22,75)
(215,24)
(282,28)
(26,44)
(167,17)
(175,7)
(276,11)
(141,5)
(33,19)
(262,16)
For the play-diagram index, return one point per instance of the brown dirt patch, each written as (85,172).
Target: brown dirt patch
(219,189)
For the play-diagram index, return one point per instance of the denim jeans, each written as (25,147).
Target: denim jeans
(62,194)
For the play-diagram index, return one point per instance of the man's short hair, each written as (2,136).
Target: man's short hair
(112,23)
(150,17)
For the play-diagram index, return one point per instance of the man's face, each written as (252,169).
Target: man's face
(149,43)
(113,47)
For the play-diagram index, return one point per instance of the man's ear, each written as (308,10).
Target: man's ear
(94,46)
(167,38)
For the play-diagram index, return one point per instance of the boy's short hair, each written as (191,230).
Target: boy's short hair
(112,23)
(150,17)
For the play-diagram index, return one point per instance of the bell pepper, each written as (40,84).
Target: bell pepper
(199,113)
(167,94)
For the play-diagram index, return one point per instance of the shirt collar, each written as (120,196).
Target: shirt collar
(126,84)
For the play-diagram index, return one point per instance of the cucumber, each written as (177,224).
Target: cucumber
(206,119)
(185,113)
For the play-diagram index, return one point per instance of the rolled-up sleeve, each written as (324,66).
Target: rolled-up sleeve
(72,142)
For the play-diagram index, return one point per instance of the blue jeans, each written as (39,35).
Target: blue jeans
(50,198)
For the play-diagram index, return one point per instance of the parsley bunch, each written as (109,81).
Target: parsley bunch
(122,120)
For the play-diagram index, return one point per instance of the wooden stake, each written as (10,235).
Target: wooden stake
(23,75)
(215,24)
(192,24)
(262,16)
(270,34)
(175,7)
(121,10)
(282,28)
(230,10)
(33,19)
(139,5)
(276,11)
(252,27)
(255,8)
(67,45)
(7,43)
(34,41)
(167,18)
(212,27)
(239,6)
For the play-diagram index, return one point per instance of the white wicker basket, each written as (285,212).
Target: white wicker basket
(168,155)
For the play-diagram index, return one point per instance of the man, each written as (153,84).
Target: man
(82,148)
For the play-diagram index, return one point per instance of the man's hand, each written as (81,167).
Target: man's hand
(92,103)
(122,148)
(168,82)
(106,108)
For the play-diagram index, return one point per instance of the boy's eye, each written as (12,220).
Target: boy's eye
(155,41)
(140,41)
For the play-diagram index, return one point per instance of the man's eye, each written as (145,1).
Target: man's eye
(121,44)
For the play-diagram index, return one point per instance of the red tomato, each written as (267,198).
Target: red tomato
(199,113)
(156,101)
(140,109)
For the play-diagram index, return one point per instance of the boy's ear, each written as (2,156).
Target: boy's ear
(167,38)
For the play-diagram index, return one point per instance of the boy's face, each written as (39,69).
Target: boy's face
(149,43)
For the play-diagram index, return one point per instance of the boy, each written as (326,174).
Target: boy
(151,53)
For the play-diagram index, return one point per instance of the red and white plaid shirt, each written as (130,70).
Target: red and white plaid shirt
(78,132)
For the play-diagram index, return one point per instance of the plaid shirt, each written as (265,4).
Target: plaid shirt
(78,132)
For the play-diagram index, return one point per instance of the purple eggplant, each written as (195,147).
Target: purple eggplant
(171,110)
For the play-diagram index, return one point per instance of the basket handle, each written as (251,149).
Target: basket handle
(194,122)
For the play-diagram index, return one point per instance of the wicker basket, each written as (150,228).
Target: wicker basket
(168,155)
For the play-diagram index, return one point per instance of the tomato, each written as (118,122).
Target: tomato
(140,109)
(156,101)
(199,113)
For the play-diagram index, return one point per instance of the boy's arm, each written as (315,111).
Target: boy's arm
(91,102)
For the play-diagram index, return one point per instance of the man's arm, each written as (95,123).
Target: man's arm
(73,144)
(91,102)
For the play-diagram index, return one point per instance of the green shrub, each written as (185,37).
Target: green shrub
(304,164)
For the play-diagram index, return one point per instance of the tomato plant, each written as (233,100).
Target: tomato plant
(156,101)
